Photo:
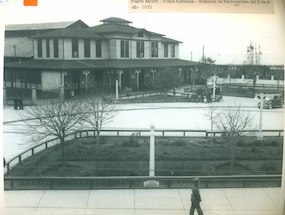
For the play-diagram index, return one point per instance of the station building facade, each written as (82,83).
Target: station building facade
(81,58)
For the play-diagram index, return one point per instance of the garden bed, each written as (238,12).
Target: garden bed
(129,156)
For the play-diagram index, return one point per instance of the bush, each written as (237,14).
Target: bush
(179,143)
(131,142)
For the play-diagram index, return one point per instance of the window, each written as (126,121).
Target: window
(154,49)
(140,49)
(98,48)
(40,48)
(165,49)
(140,34)
(172,50)
(47,48)
(86,48)
(124,49)
(55,49)
(74,48)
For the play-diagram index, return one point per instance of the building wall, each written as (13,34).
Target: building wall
(110,49)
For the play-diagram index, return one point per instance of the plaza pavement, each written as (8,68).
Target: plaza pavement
(232,201)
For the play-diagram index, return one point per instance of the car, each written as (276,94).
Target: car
(271,101)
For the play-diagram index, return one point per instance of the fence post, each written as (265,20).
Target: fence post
(33,151)
(20,159)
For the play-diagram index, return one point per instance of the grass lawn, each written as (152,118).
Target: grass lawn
(128,156)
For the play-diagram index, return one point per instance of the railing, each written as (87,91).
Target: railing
(171,133)
(127,132)
(136,182)
(148,94)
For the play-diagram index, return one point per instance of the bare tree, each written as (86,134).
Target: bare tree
(233,122)
(55,118)
(99,112)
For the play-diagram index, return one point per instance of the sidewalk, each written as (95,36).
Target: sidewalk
(240,201)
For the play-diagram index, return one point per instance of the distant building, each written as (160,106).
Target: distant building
(82,58)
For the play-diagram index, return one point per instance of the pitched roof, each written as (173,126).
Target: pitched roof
(37,26)
(126,29)
(100,64)
(169,40)
(115,20)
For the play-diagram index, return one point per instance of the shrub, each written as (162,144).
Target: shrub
(179,143)
(131,142)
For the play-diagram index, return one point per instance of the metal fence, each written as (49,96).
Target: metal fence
(127,132)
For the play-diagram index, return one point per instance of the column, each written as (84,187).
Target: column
(272,78)
(61,92)
(180,72)
(257,77)
(138,78)
(152,152)
(86,73)
(61,87)
(153,75)
(120,72)
(242,77)
(34,96)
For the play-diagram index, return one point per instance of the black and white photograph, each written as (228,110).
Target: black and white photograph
(108,110)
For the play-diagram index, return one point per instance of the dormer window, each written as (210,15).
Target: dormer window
(140,34)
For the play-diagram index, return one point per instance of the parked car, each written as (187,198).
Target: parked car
(271,101)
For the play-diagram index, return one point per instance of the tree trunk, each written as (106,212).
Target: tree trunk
(62,151)
(98,138)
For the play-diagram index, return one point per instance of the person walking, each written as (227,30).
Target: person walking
(195,198)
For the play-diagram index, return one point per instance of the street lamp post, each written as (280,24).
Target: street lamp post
(138,78)
(214,86)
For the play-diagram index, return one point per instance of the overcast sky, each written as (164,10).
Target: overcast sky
(224,36)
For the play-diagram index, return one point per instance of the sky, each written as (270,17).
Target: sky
(225,37)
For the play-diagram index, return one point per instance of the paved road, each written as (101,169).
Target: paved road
(243,201)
